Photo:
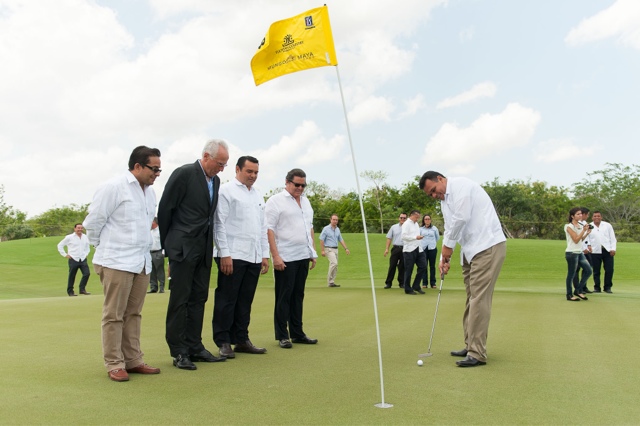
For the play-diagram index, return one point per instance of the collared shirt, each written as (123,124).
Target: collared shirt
(292,225)
(573,247)
(603,236)
(240,229)
(470,218)
(431,236)
(395,235)
(77,247)
(410,233)
(118,224)
(330,236)
(155,239)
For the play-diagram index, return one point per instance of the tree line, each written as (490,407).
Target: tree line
(527,209)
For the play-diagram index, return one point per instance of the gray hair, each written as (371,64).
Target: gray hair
(212,146)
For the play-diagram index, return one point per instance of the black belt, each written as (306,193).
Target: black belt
(397,246)
(156,251)
(330,247)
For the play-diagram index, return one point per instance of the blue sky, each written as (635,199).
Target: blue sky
(543,90)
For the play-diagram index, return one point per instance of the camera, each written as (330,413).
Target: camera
(590,226)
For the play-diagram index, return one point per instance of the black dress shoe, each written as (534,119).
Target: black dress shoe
(461,352)
(226,351)
(72,294)
(586,290)
(305,340)
(86,293)
(419,290)
(152,291)
(387,286)
(410,292)
(183,362)
(606,290)
(285,343)
(206,356)
(470,361)
(249,348)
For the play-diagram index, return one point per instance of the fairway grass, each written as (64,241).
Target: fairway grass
(550,362)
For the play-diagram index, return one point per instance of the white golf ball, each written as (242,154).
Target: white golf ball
(420,363)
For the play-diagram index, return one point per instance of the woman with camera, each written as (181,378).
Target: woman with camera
(576,233)
(429,247)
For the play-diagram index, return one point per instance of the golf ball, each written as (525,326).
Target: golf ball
(420,363)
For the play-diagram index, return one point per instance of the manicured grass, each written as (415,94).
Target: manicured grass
(550,362)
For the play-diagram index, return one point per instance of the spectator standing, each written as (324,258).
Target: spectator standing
(330,237)
(603,244)
(430,248)
(412,253)
(396,260)
(576,232)
(77,251)
(157,260)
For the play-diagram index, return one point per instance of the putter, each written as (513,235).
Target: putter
(428,354)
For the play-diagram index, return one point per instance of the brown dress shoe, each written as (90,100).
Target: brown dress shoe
(144,369)
(118,375)
(226,351)
(249,348)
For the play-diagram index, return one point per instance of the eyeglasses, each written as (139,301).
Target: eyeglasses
(403,218)
(153,169)
(298,185)
(221,165)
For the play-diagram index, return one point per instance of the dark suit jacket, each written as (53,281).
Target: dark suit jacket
(185,214)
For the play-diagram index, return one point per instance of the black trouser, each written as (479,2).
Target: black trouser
(73,271)
(396,260)
(185,313)
(430,257)
(602,259)
(233,298)
(577,276)
(290,285)
(157,271)
(413,258)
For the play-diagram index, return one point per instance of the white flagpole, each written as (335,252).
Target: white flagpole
(366,239)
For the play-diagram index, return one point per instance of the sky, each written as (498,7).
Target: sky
(541,90)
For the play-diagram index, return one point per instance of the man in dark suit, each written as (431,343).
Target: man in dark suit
(185,217)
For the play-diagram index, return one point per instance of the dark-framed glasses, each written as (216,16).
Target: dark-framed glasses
(298,185)
(153,169)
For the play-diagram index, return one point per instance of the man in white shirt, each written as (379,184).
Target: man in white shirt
(77,251)
(118,226)
(470,219)
(412,253)
(396,260)
(291,240)
(603,246)
(242,254)
(156,283)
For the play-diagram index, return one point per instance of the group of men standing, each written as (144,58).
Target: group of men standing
(194,212)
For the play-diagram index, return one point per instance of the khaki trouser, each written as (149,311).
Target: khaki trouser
(332,256)
(124,294)
(480,278)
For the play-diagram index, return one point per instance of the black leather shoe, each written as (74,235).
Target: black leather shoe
(305,340)
(334,285)
(152,291)
(226,351)
(72,294)
(606,290)
(410,292)
(470,361)
(183,362)
(86,293)
(419,290)
(205,356)
(586,290)
(387,286)
(249,348)
(461,352)
(285,344)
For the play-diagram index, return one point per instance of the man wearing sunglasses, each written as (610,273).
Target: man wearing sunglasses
(290,231)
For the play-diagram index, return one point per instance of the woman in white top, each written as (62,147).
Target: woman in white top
(576,233)
(430,249)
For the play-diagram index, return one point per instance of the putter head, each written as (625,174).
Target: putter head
(427,355)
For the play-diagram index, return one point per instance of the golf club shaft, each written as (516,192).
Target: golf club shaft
(435,315)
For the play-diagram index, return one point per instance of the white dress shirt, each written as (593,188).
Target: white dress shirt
(470,218)
(240,228)
(118,224)
(603,236)
(292,224)
(155,239)
(77,247)
(410,232)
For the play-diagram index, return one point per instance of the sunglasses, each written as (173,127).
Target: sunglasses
(298,185)
(153,169)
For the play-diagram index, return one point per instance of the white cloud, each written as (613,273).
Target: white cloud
(620,21)
(374,108)
(490,134)
(557,150)
(485,89)
(466,34)
(412,106)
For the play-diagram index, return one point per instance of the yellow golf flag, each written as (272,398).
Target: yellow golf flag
(295,44)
